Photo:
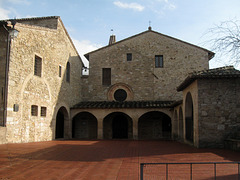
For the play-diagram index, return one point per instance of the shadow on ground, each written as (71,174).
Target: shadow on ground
(74,150)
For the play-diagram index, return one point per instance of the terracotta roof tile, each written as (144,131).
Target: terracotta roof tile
(125,104)
(223,72)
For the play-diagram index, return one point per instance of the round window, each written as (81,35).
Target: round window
(120,95)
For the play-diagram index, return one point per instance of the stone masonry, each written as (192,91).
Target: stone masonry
(140,74)
(46,38)
(219,110)
(216,105)
(48,97)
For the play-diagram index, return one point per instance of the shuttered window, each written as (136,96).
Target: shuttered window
(159,61)
(43,111)
(34,110)
(38,66)
(129,56)
(106,76)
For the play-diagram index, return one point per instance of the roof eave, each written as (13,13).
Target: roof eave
(210,53)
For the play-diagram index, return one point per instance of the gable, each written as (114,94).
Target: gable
(157,35)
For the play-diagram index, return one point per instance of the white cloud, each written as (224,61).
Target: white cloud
(170,6)
(134,6)
(84,47)
(19,2)
(160,7)
(4,14)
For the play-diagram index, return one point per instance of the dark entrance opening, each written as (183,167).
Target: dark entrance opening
(117,125)
(59,125)
(154,125)
(189,118)
(84,126)
(120,127)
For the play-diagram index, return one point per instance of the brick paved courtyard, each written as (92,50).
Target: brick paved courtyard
(101,160)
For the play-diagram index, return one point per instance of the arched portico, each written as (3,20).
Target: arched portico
(62,123)
(84,126)
(117,125)
(189,123)
(154,125)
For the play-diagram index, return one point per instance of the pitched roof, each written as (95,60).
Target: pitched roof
(21,20)
(125,104)
(223,72)
(210,53)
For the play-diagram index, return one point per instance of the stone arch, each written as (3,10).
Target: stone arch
(180,117)
(189,119)
(84,126)
(154,125)
(62,123)
(120,86)
(117,125)
(34,91)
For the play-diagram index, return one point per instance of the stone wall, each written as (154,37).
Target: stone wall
(146,81)
(219,110)
(49,91)
(47,22)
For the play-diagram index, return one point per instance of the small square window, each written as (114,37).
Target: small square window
(43,111)
(159,61)
(129,56)
(34,110)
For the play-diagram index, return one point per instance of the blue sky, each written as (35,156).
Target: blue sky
(89,22)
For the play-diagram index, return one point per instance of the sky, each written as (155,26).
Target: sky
(91,22)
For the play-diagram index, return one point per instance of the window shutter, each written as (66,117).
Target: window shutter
(38,66)
(106,76)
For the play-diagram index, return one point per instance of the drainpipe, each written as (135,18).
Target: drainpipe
(11,34)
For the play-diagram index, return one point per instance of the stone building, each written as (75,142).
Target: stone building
(133,90)
(211,102)
(43,69)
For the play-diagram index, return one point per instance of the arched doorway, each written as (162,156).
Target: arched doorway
(117,125)
(189,124)
(84,126)
(154,125)
(61,122)
(180,123)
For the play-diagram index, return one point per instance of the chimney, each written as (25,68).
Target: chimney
(112,39)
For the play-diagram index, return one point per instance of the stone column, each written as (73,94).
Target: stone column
(100,128)
(135,128)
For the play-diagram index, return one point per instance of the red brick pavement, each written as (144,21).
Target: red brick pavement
(107,160)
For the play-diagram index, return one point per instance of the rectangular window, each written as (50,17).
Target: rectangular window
(68,72)
(129,56)
(106,76)
(60,71)
(43,111)
(38,66)
(34,110)
(159,61)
